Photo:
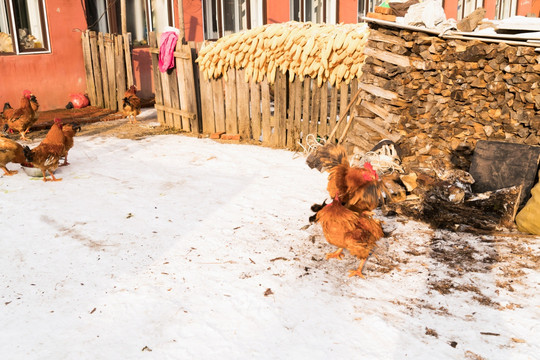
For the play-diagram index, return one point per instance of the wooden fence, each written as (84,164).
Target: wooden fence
(108,66)
(176,91)
(280,115)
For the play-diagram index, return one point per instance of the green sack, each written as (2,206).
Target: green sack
(528,219)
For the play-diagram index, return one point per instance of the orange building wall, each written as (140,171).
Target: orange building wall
(348,11)
(277,11)
(51,77)
(193,20)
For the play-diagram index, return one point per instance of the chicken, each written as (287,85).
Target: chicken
(10,151)
(24,117)
(347,229)
(358,187)
(46,156)
(131,104)
(69,133)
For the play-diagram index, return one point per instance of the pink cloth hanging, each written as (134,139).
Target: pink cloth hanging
(167,44)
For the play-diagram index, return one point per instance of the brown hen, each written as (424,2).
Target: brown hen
(347,229)
(46,156)
(24,117)
(131,106)
(69,134)
(10,151)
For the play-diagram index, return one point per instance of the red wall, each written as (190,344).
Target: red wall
(51,77)
(348,11)
(193,20)
(277,11)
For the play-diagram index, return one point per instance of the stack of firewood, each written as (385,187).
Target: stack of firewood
(442,95)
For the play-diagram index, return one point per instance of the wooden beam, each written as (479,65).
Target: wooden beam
(123,16)
(372,124)
(377,91)
(381,112)
(387,56)
(174,111)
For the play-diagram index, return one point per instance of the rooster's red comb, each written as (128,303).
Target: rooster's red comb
(368,166)
(27,93)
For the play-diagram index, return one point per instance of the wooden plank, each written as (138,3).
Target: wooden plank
(389,39)
(207,106)
(332,121)
(374,125)
(195,48)
(108,41)
(387,116)
(219,104)
(157,79)
(96,55)
(175,99)
(255,107)
(231,115)
(128,60)
(292,134)
(323,119)
(120,69)
(187,90)
(297,125)
(315,109)
(343,103)
(377,91)
(280,106)
(103,70)
(265,103)
(178,112)
(306,99)
(242,87)
(88,68)
(387,56)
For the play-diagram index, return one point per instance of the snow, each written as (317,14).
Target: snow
(173,247)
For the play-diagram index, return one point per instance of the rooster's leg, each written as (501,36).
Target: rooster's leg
(23,136)
(65,161)
(7,172)
(358,272)
(336,254)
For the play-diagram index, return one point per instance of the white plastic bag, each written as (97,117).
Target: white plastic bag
(429,13)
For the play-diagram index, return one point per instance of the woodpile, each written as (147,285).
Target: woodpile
(440,96)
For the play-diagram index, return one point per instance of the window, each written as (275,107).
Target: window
(23,27)
(317,11)
(142,16)
(224,17)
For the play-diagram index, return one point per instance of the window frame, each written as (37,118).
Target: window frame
(113,21)
(329,10)
(12,24)
(209,15)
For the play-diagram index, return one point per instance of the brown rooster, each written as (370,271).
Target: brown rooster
(46,156)
(24,117)
(131,104)
(69,133)
(359,187)
(10,151)
(347,229)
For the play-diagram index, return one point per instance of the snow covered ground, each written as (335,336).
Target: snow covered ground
(173,247)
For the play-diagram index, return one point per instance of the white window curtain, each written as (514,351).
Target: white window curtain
(4,26)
